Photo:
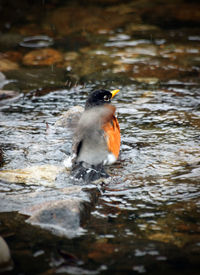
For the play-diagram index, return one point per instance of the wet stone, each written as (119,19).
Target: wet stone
(43,57)
(69,56)
(32,175)
(6,94)
(60,211)
(7,65)
(14,56)
(132,27)
(148,80)
(60,217)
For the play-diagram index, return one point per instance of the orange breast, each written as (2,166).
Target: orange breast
(112,135)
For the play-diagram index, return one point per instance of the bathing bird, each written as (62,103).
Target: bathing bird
(97,137)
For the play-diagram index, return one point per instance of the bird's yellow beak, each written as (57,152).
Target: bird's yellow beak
(114,92)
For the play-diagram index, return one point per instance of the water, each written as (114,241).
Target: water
(146,218)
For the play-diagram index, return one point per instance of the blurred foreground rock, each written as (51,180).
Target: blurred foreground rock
(5,257)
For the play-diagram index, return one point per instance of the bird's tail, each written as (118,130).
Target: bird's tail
(87,172)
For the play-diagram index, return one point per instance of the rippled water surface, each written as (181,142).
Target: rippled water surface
(145,219)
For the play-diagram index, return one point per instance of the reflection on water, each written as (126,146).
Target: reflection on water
(148,213)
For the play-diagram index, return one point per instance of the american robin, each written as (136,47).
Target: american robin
(97,137)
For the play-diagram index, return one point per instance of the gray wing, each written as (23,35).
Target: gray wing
(89,141)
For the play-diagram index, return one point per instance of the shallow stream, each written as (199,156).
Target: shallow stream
(145,219)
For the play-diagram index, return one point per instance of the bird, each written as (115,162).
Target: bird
(97,137)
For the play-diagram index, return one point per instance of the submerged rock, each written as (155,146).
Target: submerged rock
(6,94)
(7,65)
(61,211)
(60,217)
(69,56)
(147,80)
(42,57)
(13,56)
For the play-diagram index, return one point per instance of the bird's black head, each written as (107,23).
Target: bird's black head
(99,97)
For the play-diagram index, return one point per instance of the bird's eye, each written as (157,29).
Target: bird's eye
(106,98)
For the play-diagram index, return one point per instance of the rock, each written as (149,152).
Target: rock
(62,211)
(147,80)
(141,28)
(60,217)
(162,237)
(42,57)
(13,56)
(32,175)
(5,257)
(7,65)
(69,56)
(7,94)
